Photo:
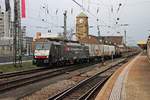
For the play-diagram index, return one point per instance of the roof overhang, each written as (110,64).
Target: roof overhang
(142,45)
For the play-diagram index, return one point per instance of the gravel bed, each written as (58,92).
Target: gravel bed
(55,88)
(44,93)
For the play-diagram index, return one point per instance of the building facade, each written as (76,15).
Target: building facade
(27,46)
(82,27)
(1,24)
(6,37)
(27,42)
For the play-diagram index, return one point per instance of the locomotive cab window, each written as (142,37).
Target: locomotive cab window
(38,46)
(42,46)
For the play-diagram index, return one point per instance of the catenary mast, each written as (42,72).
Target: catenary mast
(18,37)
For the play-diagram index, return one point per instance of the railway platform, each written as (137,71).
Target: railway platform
(130,82)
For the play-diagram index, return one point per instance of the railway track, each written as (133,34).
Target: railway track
(19,73)
(13,74)
(19,79)
(85,90)
(12,81)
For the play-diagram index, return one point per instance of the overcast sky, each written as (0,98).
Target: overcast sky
(132,12)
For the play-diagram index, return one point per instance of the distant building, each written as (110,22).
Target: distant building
(2,32)
(112,40)
(24,31)
(6,48)
(5,25)
(6,34)
(27,45)
(118,40)
(82,34)
(27,42)
(82,27)
(89,39)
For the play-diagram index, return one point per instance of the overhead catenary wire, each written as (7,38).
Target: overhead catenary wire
(111,13)
(86,10)
(101,19)
(54,24)
(45,21)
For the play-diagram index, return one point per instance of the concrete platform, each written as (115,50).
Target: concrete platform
(130,82)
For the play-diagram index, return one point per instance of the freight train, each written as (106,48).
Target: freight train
(62,52)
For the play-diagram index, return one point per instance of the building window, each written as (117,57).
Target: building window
(3,48)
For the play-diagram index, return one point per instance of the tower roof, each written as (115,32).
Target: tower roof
(82,14)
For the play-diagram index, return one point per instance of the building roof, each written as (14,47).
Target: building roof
(118,40)
(142,44)
(89,39)
(82,14)
(50,39)
(109,40)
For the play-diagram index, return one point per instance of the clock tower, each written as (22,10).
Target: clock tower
(82,28)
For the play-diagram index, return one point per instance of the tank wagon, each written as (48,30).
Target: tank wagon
(98,49)
(58,52)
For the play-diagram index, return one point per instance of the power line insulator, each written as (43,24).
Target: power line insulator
(120,4)
(97,19)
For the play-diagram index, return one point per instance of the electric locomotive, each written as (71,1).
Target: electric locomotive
(59,52)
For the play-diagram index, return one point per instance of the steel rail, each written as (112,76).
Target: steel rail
(13,74)
(29,79)
(32,79)
(89,94)
(70,94)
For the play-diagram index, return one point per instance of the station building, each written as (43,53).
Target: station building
(82,33)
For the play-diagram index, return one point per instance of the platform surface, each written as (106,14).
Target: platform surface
(132,83)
